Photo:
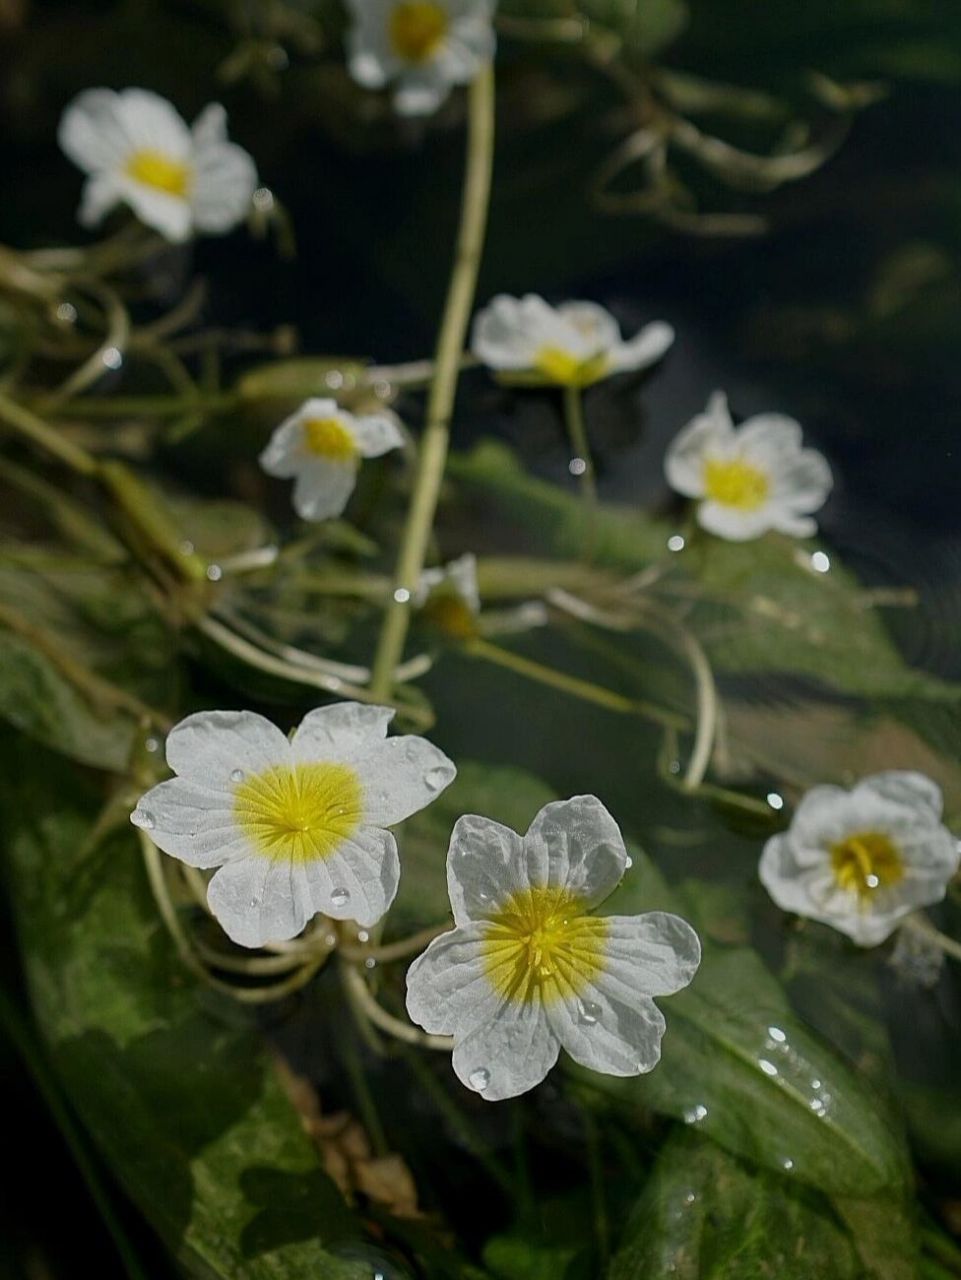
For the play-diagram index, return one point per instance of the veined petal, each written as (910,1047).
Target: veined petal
(358,881)
(575,845)
(601,1032)
(340,731)
(509,1053)
(484,865)
(655,954)
(211,746)
(904,786)
(225,179)
(259,900)
(401,776)
(448,991)
(192,822)
(153,123)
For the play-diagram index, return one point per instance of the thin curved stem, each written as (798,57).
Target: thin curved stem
(367,1006)
(450,345)
(395,950)
(577,433)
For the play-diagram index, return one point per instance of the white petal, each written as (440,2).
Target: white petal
(792,525)
(484,865)
(421,92)
(152,123)
(508,1054)
(210,127)
(340,731)
(192,822)
(770,437)
(322,489)
(225,179)
(376,435)
(508,332)
(730,523)
(170,215)
(594,327)
(448,991)
(283,456)
(804,481)
(92,132)
(576,845)
(358,881)
(211,745)
(100,193)
(684,461)
(259,900)
(401,776)
(905,787)
(655,954)
(645,349)
(614,1038)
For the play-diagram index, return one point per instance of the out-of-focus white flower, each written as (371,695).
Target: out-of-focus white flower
(448,598)
(321,446)
(296,825)
(572,345)
(862,860)
(138,151)
(423,47)
(751,478)
(528,971)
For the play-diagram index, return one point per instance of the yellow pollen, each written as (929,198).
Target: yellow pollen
(329,438)
(866,861)
(569,370)
(450,614)
(416,28)
(300,812)
(735,483)
(154,169)
(541,946)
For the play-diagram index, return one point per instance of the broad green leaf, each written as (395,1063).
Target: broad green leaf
(705,1215)
(178,1092)
(758,608)
(740,1067)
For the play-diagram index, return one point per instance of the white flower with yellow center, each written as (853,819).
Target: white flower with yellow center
(424,47)
(572,345)
(528,970)
(138,151)
(295,825)
(448,597)
(751,478)
(862,860)
(322,446)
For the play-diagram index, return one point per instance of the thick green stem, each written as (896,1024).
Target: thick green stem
(450,345)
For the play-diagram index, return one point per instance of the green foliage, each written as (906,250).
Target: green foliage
(181,1098)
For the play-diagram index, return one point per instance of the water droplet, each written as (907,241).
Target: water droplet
(67,313)
(255,902)
(401,595)
(143,819)
(871,881)
(676,542)
(674,766)
(263,199)
(690,1198)
(187,547)
(236,775)
(436,777)
(695,1114)
(112,357)
(628,862)
(775,800)
(818,1107)
(589,1013)
(214,572)
(479,1079)
(363,935)
(152,745)
(777,1034)
(370,963)
(787,1164)
(577,466)
(340,897)
(334,379)
(768,1068)
(820,562)
(330,939)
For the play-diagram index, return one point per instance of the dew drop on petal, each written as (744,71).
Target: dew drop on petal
(436,777)
(628,862)
(479,1079)
(363,935)
(588,1013)
(370,963)
(152,745)
(236,775)
(254,902)
(340,897)
(143,819)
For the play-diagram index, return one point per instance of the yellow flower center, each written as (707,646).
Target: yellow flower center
(416,29)
(542,946)
(569,370)
(450,614)
(299,812)
(866,861)
(735,483)
(329,438)
(154,169)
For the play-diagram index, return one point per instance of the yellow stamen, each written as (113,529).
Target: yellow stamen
(735,483)
(329,438)
(542,946)
(301,812)
(569,370)
(866,861)
(162,172)
(416,29)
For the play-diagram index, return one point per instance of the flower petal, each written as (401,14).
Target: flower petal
(906,787)
(684,461)
(225,179)
(259,900)
(100,193)
(644,349)
(322,489)
(170,215)
(92,132)
(576,845)
(340,731)
(358,881)
(602,1033)
(377,434)
(448,992)
(401,776)
(509,1053)
(283,456)
(211,745)
(192,822)
(509,331)
(484,865)
(733,524)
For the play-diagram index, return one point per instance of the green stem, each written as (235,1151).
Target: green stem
(450,345)
(169,406)
(36,430)
(922,926)
(577,433)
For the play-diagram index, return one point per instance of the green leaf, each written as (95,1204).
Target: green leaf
(178,1092)
(707,1216)
(741,1067)
(758,607)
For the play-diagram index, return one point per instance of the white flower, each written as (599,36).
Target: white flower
(322,446)
(448,598)
(750,479)
(296,825)
(572,345)
(138,151)
(862,860)
(527,971)
(424,46)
